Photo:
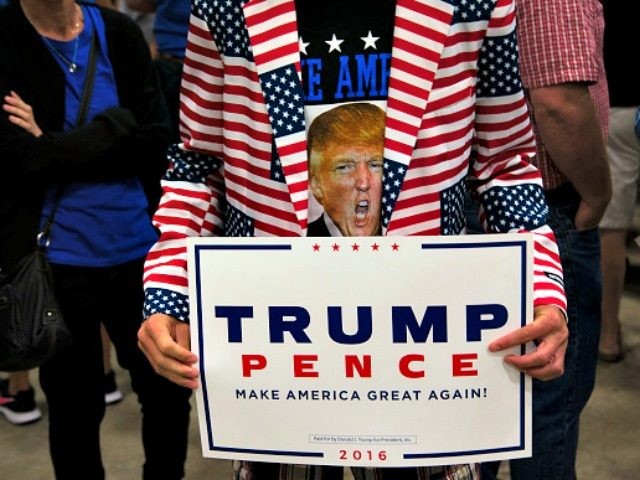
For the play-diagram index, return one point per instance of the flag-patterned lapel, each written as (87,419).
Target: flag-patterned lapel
(273,34)
(420,33)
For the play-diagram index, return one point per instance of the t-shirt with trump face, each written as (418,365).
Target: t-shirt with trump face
(345,58)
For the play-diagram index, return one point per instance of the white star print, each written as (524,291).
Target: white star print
(370,41)
(303,46)
(334,44)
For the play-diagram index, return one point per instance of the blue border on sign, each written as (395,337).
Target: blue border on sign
(425,246)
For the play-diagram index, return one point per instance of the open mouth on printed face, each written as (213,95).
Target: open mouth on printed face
(362,213)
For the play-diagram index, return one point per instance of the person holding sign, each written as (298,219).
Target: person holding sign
(257,77)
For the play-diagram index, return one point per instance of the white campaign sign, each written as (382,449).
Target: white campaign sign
(368,351)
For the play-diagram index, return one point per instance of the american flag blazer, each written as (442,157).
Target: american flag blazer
(455,112)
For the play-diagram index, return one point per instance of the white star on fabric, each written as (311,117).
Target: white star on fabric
(334,44)
(303,46)
(370,41)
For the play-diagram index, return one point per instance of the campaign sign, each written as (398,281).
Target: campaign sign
(367,351)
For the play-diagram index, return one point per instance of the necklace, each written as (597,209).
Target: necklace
(72,64)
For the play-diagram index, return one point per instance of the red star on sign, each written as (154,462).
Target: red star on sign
(375,247)
(316,247)
(355,247)
(336,247)
(395,247)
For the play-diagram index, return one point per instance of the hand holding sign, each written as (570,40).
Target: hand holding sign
(550,333)
(165,341)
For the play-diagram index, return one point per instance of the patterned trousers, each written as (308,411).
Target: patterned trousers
(264,471)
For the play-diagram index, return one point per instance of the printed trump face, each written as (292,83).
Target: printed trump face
(347,181)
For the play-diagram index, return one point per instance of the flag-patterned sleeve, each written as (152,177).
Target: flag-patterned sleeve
(193,196)
(508,185)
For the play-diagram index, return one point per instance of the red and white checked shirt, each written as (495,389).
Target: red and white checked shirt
(561,41)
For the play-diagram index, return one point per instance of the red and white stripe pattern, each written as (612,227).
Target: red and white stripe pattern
(273,31)
(443,109)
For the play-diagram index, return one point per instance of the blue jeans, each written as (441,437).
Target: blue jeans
(557,404)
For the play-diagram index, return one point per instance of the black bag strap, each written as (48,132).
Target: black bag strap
(88,84)
(43,236)
(42,240)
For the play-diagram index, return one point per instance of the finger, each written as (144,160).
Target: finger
(11,98)
(14,99)
(173,370)
(22,111)
(523,335)
(176,377)
(537,359)
(27,125)
(551,343)
(546,326)
(17,111)
(170,347)
(545,363)
(20,122)
(157,338)
(13,94)
(553,369)
(183,335)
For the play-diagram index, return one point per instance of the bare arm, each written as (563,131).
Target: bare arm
(569,128)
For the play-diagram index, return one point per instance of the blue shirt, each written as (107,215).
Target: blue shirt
(171,26)
(95,224)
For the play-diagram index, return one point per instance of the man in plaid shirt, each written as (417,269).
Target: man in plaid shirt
(562,68)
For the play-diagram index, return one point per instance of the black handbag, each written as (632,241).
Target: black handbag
(32,329)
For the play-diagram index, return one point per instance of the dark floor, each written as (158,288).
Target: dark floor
(609,442)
